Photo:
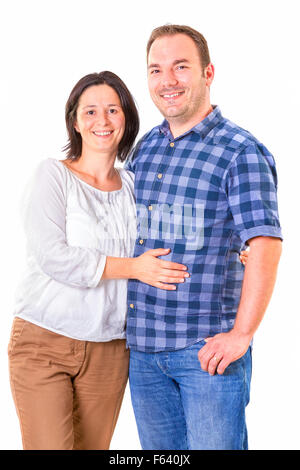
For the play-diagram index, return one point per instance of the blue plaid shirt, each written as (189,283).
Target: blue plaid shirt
(203,195)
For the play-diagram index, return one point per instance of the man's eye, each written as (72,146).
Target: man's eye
(181,67)
(154,71)
(91,112)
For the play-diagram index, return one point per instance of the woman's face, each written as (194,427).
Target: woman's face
(100,120)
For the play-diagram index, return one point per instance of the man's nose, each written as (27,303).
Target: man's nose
(169,79)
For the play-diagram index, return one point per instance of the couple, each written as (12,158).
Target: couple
(204,189)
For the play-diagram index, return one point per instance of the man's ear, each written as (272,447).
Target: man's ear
(209,73)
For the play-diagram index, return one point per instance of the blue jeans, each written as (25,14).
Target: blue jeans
(179,406)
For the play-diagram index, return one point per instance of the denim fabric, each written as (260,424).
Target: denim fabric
(179,406)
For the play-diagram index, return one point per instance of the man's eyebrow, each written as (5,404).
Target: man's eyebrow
(179,61)
(176,62)
(153,66)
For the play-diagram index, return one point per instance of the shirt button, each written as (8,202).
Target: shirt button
(172,144)
(159,176)
(131,306)
(150,208)
(141,242)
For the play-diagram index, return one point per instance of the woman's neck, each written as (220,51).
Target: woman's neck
(96,170)
(98,166)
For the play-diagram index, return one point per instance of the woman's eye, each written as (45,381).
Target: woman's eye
(112,111)
(91,112)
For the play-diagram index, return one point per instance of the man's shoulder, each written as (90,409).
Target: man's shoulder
(232,143)
(233,137)
(148,136)
(144,141)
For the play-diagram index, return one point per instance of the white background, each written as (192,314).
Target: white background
(47,46)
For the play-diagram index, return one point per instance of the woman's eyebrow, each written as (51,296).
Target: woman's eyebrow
(95,105)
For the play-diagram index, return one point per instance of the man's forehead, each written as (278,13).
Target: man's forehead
(171,48)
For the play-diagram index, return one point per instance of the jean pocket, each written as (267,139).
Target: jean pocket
(16,332)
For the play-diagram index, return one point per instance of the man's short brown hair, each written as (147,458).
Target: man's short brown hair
(172,29)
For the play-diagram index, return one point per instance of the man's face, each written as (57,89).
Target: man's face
(175,78)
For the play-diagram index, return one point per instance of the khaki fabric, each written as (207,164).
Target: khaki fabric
(67,392)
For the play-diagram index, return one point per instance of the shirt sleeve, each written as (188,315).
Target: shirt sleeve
(251,187)
(129,164)
(44,220)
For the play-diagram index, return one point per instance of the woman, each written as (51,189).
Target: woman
(67,354)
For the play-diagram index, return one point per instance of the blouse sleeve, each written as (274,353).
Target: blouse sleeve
(44,219)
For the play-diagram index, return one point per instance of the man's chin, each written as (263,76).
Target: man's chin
(172,113)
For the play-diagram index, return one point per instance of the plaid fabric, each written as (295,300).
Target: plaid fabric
(203,194)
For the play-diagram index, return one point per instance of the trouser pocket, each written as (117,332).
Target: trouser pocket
(16,332)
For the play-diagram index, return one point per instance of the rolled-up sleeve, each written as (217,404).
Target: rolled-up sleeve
(251,188)
(44,220)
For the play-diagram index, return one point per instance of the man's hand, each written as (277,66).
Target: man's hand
(221,350)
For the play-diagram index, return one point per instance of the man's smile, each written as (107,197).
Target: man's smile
(171,96)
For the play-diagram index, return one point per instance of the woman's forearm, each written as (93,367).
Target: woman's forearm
(147,268)
(118,268)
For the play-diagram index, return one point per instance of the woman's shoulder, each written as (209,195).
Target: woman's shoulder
(46,181)
(49,173)
(50,167)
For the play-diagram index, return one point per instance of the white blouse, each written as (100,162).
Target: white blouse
(70,228)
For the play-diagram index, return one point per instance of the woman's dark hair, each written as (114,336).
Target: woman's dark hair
(132,123)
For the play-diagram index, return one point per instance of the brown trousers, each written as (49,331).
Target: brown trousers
(67,392)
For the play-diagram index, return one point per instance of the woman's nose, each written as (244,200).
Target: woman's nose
(103,119)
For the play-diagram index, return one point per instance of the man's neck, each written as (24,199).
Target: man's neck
(178,128)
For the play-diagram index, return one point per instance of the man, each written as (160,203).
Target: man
(200,164)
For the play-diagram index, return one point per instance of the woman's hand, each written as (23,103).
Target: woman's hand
(156,272)
(244,257)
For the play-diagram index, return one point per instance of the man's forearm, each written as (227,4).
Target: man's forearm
(258,285)
(259,280)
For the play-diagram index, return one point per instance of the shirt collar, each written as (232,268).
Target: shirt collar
(203,128)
